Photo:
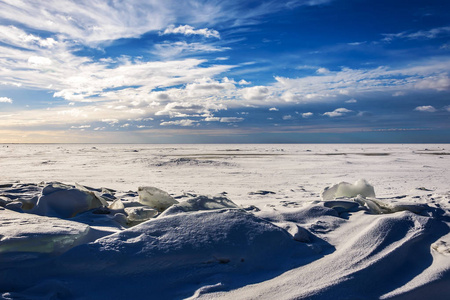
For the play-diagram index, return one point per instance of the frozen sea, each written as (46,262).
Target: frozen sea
(250,221)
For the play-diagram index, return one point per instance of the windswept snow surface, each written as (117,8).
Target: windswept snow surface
(242,222)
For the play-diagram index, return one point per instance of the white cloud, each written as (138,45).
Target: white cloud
(422,34)
(398,94)
(351,101)
(431,74)
(172,49)
(110,121)
(307,115)
(208,84)
(94,23)
(425,108)
(273,109)
(189,30)
(339,112)
(184,123)
(356,43)
(212,119)
(39,61)
(287,117)
(322,71)
(244,82)
(125,87)
(255,93)
(188,109)
(440,83)
(14,36)
(80,127)
(231,119)
(5,100)
(89,22)
(447,108)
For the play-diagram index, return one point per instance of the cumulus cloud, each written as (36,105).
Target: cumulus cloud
(244,82)
(273,109)
(255,93)
(287,117)
(440,83)
(5,100)
(223,119)
(188,109)
(131,87)
(351,101)
(307,115)
(338,112)
(425,108)
(183,123)
(322,71)
(189,30)
(210,84)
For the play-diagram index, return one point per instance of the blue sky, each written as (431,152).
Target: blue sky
(311,71)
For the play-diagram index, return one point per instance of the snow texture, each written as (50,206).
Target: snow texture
(298,237)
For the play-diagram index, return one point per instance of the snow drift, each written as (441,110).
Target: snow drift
(72,241)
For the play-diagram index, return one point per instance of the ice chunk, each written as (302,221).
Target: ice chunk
(21,232)
(155,198)
(116,205)
(15,205)
(200,203)
(140,214)
(52,187)
(4,200)
(345,189)
(65,201)
(378,206)
(93,192)
(341,206)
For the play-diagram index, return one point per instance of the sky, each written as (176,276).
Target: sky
(224,71)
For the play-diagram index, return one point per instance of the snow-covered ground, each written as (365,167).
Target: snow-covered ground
(224,221)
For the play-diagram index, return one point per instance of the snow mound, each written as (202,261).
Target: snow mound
(21,232)
(299,233)
(155,198)
(200,203)
(64,201)
(345,189)
(194,240)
